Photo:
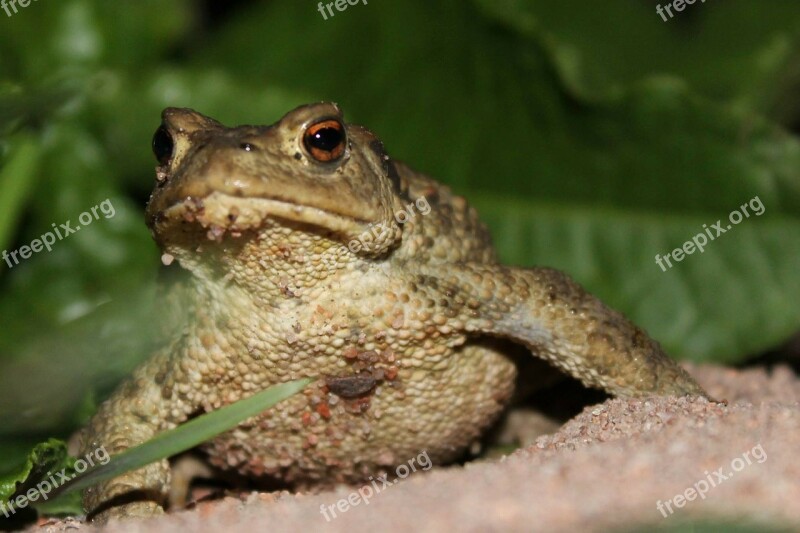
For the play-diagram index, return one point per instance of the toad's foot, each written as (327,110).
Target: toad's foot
(139,509)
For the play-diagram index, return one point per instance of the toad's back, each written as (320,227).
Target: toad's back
(446,228)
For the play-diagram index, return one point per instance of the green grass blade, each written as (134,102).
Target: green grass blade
(185,436)
(16,182)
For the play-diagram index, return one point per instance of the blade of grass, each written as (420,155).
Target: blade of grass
(16,182)
(185,436)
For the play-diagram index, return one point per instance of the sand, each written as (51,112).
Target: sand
(605,469)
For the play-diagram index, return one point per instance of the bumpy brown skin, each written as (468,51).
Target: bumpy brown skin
(300,269)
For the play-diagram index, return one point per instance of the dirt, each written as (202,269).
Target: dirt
(606,469)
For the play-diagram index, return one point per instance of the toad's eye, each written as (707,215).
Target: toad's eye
(163,145)
(325,141)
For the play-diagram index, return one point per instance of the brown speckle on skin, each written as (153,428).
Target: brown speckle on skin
(324,411)
(351,386)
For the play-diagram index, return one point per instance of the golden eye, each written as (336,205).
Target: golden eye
(325,141)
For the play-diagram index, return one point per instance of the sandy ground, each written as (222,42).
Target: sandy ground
(605,469)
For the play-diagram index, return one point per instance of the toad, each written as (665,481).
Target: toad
(311,253)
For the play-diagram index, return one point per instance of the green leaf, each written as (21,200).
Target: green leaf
(754,71)
(43,460)
(78,37)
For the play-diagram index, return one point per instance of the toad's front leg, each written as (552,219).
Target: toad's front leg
(131,416)
(559,321)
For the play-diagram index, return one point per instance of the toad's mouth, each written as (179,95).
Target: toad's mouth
(222,213)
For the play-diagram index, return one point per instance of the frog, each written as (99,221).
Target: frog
(309,252)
